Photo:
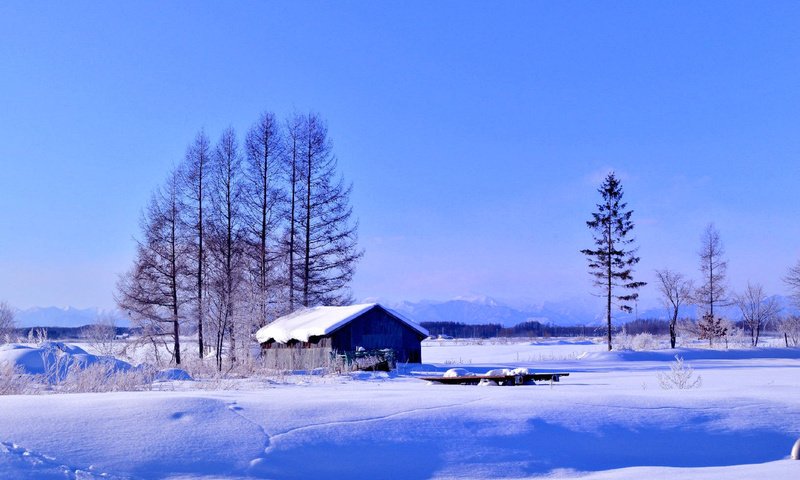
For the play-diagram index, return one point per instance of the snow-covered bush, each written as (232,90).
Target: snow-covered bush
(13,380)
(737,338)
(37,336)
(680,376)
(644,341)
(640,341)
(622,341)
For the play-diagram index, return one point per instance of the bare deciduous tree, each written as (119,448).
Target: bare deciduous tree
(612,260)
(789,326)
(257,229)
(293,157)
(195,192)
(263,205)
(757,310)
(792,280)
(102,334)
(713,269)
(7,323)
(226,243)
(330,237)
(676,291)
(152,291)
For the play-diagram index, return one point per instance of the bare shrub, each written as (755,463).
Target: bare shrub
(644,341)
(105,377)
(681,376)
(102,335)
(13,380)
(623,341)
(37,336)
(7,324)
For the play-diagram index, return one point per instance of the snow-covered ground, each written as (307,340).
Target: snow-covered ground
(609,419)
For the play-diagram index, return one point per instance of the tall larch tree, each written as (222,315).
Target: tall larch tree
(329,234)
(294,142)
(613,257)
(713,291)
(226,243)
(195,176)
(152,291)
(263,205)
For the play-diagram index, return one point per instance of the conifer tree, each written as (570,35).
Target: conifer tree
(613,257)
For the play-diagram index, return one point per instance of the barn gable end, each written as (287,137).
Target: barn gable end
(378,328)
(341,330)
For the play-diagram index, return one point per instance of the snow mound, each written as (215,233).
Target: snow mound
(171,374)
(55,359)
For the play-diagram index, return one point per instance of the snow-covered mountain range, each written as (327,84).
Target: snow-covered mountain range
(584,311)
(66,317)
(468,310)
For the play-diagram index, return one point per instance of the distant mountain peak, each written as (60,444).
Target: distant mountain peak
(478,299)
(65,316)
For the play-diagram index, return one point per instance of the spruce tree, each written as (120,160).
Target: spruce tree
(613,257)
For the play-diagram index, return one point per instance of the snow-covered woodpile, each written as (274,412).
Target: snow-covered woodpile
(341,330)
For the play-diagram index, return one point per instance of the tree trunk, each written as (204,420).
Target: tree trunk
(608,293)
(307,262)
(200,312)
(672,333)
(292,222)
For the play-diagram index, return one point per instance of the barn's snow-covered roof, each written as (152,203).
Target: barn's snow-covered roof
(319,321)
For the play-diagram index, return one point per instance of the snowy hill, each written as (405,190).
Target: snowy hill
(66,317)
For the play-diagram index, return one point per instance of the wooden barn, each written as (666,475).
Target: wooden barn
(344,330)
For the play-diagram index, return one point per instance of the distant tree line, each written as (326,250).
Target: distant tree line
(492,330)
(60,333)
(242,231)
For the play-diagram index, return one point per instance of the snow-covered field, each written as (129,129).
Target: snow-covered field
(609,419)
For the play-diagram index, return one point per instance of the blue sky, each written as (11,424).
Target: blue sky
(475,134)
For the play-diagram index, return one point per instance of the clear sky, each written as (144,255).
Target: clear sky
(475,133)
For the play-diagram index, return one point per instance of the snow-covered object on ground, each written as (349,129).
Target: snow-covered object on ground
(458,372)
(318,321)
(54,359)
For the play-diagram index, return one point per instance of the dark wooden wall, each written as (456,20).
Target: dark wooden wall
(373,330)
(377,329)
